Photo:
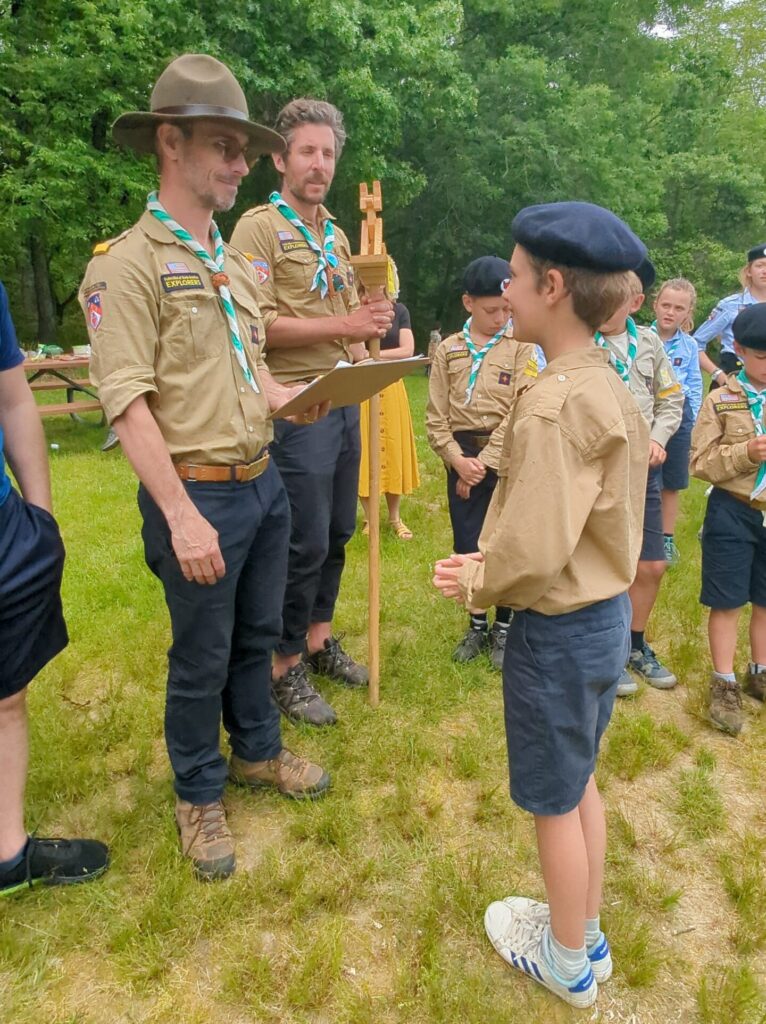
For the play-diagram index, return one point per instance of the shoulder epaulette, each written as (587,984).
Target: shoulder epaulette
(103,247)
(263,208)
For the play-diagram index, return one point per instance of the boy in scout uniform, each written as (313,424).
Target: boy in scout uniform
(176,337)
(312,317)
(560,546)
(639,357)
(474,378)
(729,451)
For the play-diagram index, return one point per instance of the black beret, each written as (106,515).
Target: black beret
(485,276)
(578,235)
(646,274)
(758,252)
(749,327)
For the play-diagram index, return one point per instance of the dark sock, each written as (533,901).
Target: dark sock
(502,616)
(668,536)
(479,620)
(9,865)
(636,640)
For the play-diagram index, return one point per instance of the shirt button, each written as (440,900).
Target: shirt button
(242,390)
(194,309)
(561,376)
(250,429)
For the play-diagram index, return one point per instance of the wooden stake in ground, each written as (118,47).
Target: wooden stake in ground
(371,266)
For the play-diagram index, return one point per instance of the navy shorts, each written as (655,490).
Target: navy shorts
(32,628)
(733,553)
(653,545)
(674,472)
(559,684)
(467,514)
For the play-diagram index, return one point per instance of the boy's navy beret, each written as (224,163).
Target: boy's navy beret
(758,252)
(749,327)
(485,276)
(578,235)
(646,274)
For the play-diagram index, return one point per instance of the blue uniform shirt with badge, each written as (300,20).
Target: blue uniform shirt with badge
(10,356)
(683,356)
(720,321)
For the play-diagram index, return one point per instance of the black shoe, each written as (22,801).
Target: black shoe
(56,862)
(497,637)
(475,641)
(334,663)
(297,699)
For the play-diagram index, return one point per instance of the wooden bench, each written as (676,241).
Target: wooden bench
(69,408)
(60,374)
(58,385)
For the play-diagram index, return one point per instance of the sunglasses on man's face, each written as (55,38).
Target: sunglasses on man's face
(230,150)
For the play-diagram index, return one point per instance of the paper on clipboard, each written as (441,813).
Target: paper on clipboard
(350,384)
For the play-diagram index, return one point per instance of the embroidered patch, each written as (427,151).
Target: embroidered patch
(457,353)
(677,361)
(667,392)
(180,282)
(285,236)
(177,268)
(95,312)
(337,283)
(730,398)
(99,286)
(254,334)
(504,378)
(531,369)
(457,348)
(350,277)
(262,270)
(292,246)
(728,405)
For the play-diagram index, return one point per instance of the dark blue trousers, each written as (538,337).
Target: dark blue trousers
(224,634)
(319,464)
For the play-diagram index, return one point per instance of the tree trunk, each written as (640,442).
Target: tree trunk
(47,325)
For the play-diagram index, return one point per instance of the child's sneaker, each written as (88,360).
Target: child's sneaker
(646,664)
(519,936)
(672,554)
(599,954)
(626,685)
(474,641)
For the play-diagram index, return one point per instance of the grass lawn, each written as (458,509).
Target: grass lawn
(367,906)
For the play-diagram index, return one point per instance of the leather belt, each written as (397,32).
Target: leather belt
(469,437)
(223,474)
(757,505)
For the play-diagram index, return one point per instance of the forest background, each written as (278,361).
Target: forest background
(465,111)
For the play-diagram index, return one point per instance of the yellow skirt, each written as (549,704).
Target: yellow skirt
(398,458)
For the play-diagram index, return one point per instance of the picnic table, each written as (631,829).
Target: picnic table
(60,373)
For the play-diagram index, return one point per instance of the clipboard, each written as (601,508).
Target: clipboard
(350,384)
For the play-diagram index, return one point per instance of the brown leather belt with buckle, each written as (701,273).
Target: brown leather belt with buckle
(223,474)
(469,437)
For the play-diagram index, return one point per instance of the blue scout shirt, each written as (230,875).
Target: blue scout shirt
(10,356)
(721,319)
(683,355)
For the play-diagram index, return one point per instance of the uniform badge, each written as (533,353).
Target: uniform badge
(291,246)
(254,334)
(350,276)
(730,398)
(180,282)
(337,283)
(677,361)
(177,268)
(285,236)
(531,368)
(99,286)
(262,270)
(504,378)
(95,312)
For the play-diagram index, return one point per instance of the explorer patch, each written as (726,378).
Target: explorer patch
(292,246)
(180,282)
(457,353)
(740,404)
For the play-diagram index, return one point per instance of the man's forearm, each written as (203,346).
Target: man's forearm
(298,332)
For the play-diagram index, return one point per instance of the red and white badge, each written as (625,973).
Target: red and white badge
(262,271)
(95,312)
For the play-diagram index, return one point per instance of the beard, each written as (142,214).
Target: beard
(300,192)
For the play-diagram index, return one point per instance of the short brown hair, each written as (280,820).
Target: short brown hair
(595,294)
(308,111)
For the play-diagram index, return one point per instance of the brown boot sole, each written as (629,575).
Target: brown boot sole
(314,793)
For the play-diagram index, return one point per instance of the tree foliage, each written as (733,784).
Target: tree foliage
(465,110)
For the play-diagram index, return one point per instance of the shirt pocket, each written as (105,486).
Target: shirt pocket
(644,367)
(737,426)
(297,270)
(251,330)
(195,326)
(499,378)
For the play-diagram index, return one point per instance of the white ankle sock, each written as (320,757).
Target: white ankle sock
(593,931)
(728,677)
(566,963)
(756,667)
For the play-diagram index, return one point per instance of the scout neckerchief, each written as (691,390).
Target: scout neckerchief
(756,400)
(477,355)
(220,280)
(672,343)
(623,368)
(324,253)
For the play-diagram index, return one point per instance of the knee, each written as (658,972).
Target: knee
(15,705)
(650,572)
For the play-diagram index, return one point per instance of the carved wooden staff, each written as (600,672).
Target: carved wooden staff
(371,266)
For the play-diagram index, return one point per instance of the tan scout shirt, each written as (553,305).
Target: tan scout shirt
(157,328)
(564,527)
(286,265)
(719,441)
(508,366)
(653,383)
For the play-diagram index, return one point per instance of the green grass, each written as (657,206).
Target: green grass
(367,906)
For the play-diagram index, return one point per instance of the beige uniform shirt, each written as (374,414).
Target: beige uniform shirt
(564,527)
(653,383)
(504,369)
(719,441)
(285,265)
(157,328)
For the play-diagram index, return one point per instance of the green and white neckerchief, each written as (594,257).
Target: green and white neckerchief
(623,368)
(215,266)
(671,344)
(757,402)
(324,252)
(477,355)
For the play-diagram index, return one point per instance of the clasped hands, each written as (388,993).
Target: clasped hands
(447,571)
(471,472)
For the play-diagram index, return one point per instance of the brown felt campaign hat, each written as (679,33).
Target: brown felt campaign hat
(191,87)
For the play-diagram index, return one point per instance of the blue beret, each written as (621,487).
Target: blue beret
(749,327)
(646,274)
(758,252)
(578,235)
(485,276)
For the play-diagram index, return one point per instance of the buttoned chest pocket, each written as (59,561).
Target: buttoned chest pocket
(644,367)
(459,369)
(737,425)
(251,330)
(194,325)
(297,269)
(499,377)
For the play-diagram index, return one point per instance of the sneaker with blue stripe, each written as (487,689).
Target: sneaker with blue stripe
(520,939)
(599,954)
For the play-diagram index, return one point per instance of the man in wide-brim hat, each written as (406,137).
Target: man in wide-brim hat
(176,336)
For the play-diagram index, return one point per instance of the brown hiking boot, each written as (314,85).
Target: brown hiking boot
(755,685)
(726,705)
(292,775)
(205,838)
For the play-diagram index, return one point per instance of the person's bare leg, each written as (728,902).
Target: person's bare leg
(758,634)
(722,636)
(14,755)
(394,502)
(317,634)
(669,511)
(564,863)
(643,592)
(593,823)
(365,503)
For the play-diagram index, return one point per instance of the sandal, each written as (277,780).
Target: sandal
(402,531)
(365,528)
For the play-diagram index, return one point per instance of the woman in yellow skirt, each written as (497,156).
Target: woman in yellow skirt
(398,458)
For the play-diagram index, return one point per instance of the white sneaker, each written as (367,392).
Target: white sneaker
(600,956)
(517,932)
